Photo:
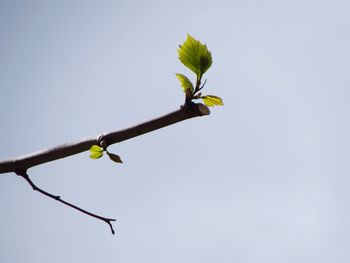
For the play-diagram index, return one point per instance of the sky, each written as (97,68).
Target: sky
(263,179)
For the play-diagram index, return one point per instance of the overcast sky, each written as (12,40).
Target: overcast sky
(263,179)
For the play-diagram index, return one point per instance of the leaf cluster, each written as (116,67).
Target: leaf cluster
(196,57)
(96,152)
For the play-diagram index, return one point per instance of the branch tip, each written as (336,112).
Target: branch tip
(110,225)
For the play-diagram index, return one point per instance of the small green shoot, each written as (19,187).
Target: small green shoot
(96,152)
(196,56)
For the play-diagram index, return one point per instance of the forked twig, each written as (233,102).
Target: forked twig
(58,198)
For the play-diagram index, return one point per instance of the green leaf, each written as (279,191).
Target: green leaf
(195,56)
(114,157)
(96,148)
(211,100)
(96,152)
(96,155)
(185,82)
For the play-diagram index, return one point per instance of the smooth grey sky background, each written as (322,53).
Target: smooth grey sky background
(263,179)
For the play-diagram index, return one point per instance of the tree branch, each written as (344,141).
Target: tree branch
(22,163)
(24,174)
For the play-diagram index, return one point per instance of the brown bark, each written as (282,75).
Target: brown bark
(24,162)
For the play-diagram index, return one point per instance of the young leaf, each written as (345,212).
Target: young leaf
(96,152)
(185,82)
(114,157)
(195,56)
(211,100)
(96,148)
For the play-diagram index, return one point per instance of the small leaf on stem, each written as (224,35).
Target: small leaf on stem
(211,100)
(114,157)
(185,82)
(96,152)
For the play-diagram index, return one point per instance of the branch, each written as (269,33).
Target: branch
(58,198)
(22,163)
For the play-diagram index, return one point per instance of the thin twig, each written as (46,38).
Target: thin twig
(58,198)
(205,81)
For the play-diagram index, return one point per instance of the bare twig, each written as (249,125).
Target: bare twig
(24,174)
(25,162)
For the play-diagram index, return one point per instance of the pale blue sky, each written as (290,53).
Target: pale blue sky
(263,179)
